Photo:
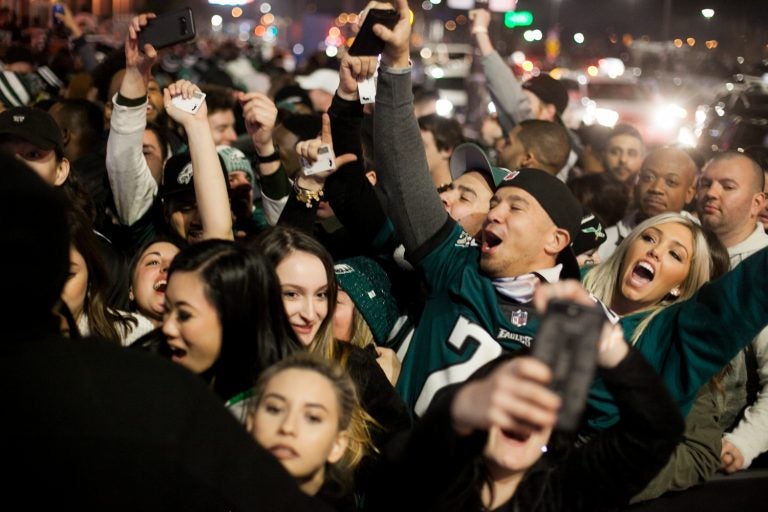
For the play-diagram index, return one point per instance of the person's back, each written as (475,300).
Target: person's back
(89,425)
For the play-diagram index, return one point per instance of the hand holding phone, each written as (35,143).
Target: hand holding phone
(168,29)
(367,43)
(567,342)
(58,8)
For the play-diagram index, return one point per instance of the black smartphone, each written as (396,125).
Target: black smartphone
(567,342)
(367,43)
(58,8)
(168,29)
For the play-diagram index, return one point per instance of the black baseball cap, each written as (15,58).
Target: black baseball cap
(32,125)
(548,90)
(178,176)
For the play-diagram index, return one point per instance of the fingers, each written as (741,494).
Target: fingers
(345,159)
(309,149)
(183,88)
(150,51)
(325,133)
(258,111)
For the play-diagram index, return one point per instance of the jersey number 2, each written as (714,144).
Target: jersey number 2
(460,339)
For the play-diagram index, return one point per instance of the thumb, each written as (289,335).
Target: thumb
(345,159)
(150,52)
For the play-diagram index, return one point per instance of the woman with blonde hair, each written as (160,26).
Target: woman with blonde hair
(306,412)
(688,328)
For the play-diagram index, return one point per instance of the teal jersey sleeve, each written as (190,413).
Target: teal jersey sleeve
(689,342)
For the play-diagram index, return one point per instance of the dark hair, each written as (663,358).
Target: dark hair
(278,242)
(721,260)
(601,194)
(103,321)
(218,97)
(162,138)
(548,141)
(243,288)
(624,129)
(447,132)
(81,114)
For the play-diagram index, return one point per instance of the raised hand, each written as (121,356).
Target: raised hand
(514,397)
(355,69)
(186,89)
(260,115)
(309,150)
(133,56)
(397,49)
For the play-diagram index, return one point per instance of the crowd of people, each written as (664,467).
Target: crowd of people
(200,322)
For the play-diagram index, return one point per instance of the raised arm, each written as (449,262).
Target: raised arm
(512,104)
(133,186)
(260,115)
(414,205)
(210,181)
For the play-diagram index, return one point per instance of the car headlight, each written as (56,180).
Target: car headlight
(606,117)
(668,115)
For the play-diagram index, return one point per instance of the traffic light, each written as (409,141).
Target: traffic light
(514,19)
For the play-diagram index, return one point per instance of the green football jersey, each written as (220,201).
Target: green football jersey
(464,325)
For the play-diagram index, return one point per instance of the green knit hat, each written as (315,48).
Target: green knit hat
(369,287)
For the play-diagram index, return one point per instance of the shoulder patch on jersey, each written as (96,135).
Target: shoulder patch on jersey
(465,240)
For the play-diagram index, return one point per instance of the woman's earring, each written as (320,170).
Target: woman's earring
(675,292)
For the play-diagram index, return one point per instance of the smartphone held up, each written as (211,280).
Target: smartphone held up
(567,342)
(367,43)
(169,29)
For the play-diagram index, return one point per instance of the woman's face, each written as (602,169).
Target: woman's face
(191,323)
(342,316)
(297,420)
(76,287)
(657,262)
(150,279)
(304,285)
(510,453)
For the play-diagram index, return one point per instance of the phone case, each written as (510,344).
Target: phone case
(168,29)
(567,343)
(366,42)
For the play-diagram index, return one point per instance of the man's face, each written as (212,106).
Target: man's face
(513,154)
(466,201)
(435,157)
(515,235)
(153,154)
(727,199)
(155,105)
(43,162)
(184,218)
(542,111)
(222,123)
(241,197)
(665,183)
(623,156)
